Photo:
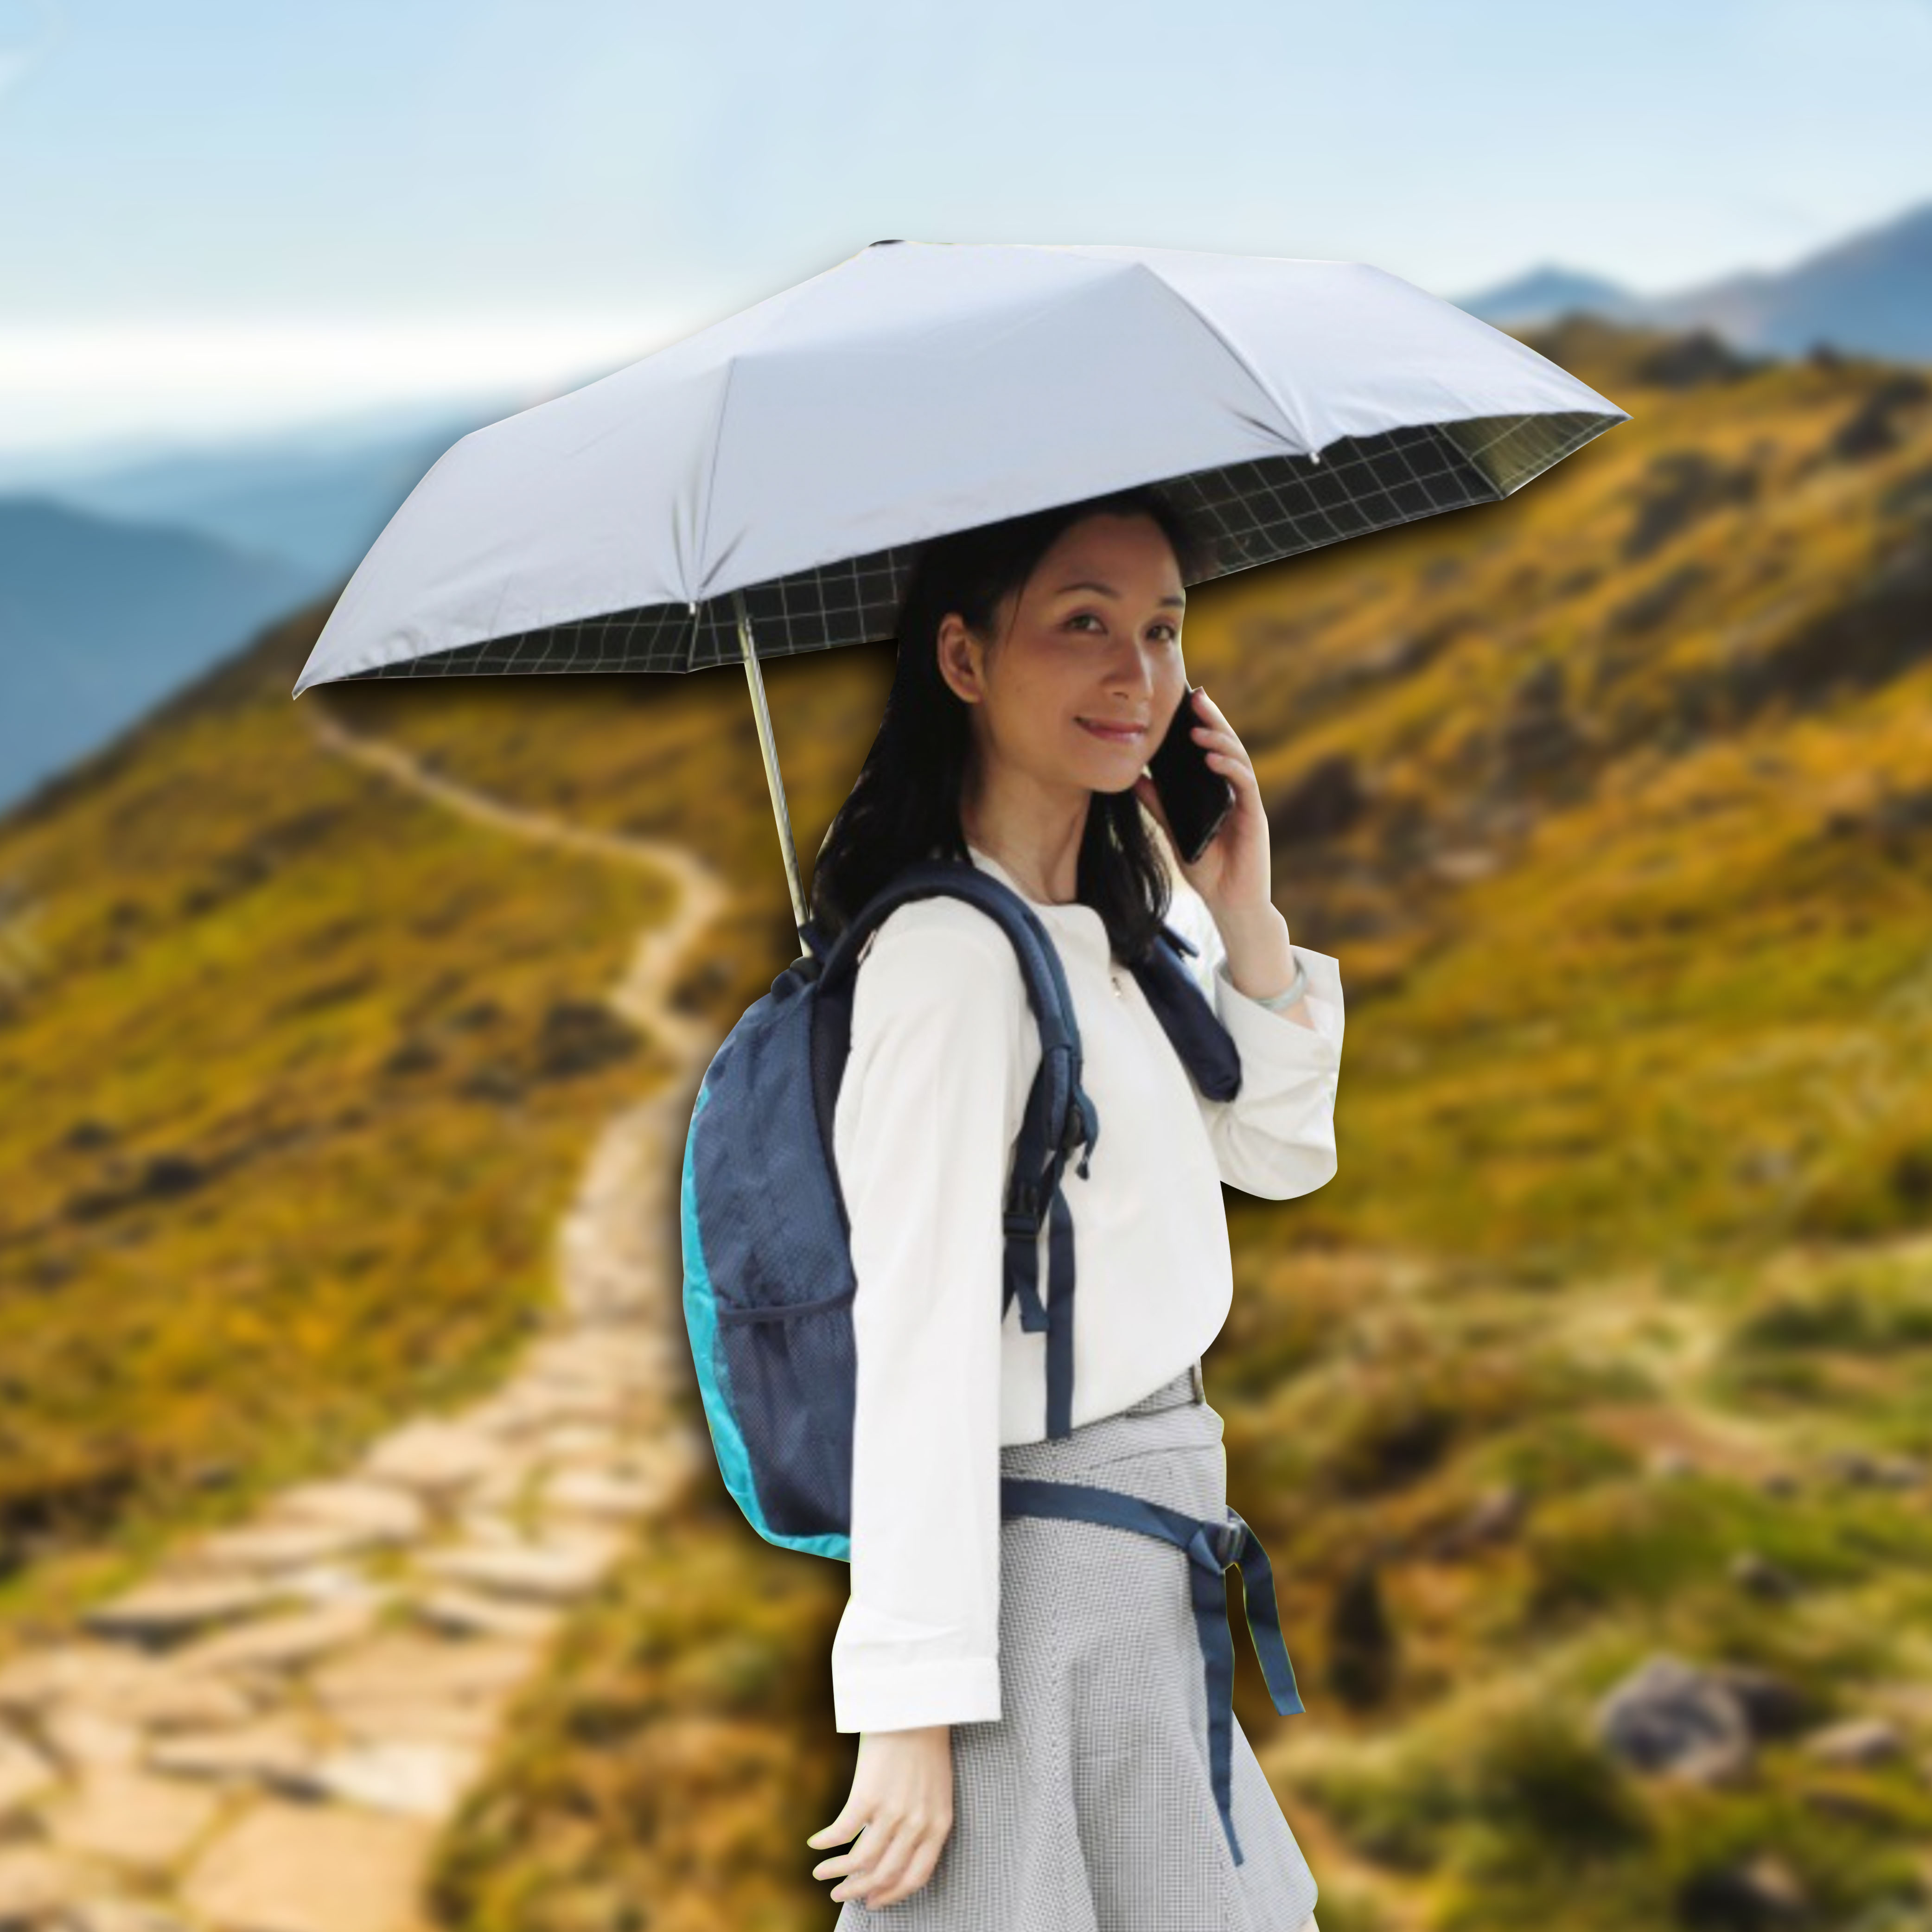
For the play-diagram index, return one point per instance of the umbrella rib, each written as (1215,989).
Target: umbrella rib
(1247,368)
(703,533)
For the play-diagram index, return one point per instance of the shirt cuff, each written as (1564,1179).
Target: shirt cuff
(966,1691)
(1275,1038)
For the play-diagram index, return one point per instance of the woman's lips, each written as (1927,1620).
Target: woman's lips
(1115,734)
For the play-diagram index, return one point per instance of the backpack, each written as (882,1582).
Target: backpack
(768,1274)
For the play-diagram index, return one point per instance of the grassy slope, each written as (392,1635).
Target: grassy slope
(237,1234)
(1635,1137)
(1637,957)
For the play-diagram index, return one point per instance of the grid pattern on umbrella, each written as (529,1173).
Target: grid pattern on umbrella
(1252,513)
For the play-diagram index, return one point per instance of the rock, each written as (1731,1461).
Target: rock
(471,1723)
(33,1883)
(282,1546)
(419,1780)
(467,1613)
(388,1514)
(1902,1472)
(127,1688)
(286,1867)
(1669,1717)
(282,1642)
(79,1737)
(326,1583)
(576,1442)
(400,1667)
(275,1752)
(172,1607)
(1857,1742)
(546,1572)
(170,1699)
(1762,1577)
(95,1672)
(597,1492)
(24,1772)
(490,1530)
(435,1457)
(119,1914)
(1763,1893)
(534,1405)
(130,1818)
(1773,1707)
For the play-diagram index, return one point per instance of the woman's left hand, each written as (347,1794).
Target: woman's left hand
(1233,874)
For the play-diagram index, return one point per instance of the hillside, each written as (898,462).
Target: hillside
(1612,1335)
(299,1073)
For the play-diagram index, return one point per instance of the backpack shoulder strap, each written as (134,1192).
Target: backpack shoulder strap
(1059,1117)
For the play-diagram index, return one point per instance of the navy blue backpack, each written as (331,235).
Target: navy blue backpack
(768,1275)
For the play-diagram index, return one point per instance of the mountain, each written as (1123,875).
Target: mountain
(1547,293)
(1869,296)
(1612,1334)
(100,618)
(315,497)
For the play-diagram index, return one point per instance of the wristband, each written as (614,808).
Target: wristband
(1296,988)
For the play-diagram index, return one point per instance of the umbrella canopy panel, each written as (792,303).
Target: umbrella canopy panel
(799,451)
(1251,513)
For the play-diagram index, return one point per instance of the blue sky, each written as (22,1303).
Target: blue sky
(216,214)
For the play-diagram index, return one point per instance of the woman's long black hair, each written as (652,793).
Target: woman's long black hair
(904,805)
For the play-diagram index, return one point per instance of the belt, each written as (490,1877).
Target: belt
(1211,1546)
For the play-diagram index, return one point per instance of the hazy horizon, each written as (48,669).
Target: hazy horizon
(291,217)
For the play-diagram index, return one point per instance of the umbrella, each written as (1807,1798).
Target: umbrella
(760,487)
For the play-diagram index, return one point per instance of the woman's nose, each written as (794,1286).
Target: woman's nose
(1133,673)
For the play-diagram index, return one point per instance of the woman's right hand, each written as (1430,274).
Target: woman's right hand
(901,1805)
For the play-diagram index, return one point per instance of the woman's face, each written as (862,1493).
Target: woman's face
(1093,640)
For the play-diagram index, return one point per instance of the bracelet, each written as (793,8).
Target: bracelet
(1297,987)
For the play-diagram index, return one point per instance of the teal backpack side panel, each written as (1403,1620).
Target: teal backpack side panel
(701,1316)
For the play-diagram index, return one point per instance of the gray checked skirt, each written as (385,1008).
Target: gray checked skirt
(1089,1806)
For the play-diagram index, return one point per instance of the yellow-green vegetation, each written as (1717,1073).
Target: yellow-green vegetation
(299,1072)
(668,1773)
(1613,1336)
(1610,1336)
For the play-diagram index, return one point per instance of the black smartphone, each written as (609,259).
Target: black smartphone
(1196,797)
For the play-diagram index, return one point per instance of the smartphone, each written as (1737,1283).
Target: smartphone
(1196,797)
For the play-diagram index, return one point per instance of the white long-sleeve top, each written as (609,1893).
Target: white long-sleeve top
(944,1047)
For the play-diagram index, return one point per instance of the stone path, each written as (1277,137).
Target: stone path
(265,1734)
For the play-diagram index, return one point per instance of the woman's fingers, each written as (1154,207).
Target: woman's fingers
(904,1864)
(874,1863)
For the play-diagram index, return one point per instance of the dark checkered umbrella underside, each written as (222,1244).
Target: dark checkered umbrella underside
(1252,513)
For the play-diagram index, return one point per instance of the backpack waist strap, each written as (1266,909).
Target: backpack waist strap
(1211,1546)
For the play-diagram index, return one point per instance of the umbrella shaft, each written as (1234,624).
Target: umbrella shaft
(774,779)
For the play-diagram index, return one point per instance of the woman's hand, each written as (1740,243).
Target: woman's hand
(1232,875)
(901,1806)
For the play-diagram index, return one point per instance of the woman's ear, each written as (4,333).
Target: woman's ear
(961,658)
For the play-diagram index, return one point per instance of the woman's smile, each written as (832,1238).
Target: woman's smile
(1115,733)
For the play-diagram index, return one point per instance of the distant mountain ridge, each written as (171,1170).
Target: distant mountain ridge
(1870,295)
(99,619)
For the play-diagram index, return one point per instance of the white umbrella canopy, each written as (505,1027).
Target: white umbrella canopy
(760,487)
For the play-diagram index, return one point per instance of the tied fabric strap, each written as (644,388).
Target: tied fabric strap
(1211,1547)
(1056,1316)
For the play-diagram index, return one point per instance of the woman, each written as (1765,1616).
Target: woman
(1050,1672)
